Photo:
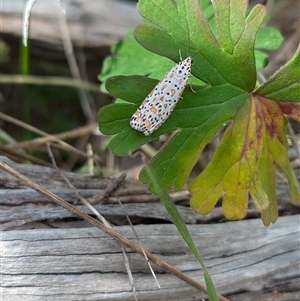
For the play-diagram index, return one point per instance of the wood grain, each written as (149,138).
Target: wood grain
(85,264)
(49,254)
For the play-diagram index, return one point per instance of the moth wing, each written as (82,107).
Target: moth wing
(158,105)
(140,115)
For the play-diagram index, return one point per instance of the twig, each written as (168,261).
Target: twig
(49,81)
(52,138)
(86,100)
(13,152)
(99,216)
(138,239)
(100,198)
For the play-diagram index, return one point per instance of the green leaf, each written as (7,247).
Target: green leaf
(199,124)
(224,60)
(261,59)
(131,89)
(130,58)
(213,64)
(268,38)
(284,85)
(177,159)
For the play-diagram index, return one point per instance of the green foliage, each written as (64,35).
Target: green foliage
(130,58)
(133,59)
(254,143)
(268,38)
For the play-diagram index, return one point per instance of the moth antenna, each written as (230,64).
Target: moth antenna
(180,55)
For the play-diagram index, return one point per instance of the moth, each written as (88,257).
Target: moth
(161,101)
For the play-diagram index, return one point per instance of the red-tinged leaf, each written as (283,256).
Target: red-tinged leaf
(276,143)
(274,155)
(291,109)
(232,171)
(245,162)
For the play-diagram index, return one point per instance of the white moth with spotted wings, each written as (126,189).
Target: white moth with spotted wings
(158,105)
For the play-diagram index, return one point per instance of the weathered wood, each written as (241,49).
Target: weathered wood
(16,216)
(85,264)
(22,206)
(91,23)
(49,177)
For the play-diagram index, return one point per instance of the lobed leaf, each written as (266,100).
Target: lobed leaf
(231,172)
(198,122)
(268,38)
(274,154)
(253,145)
(133,59)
